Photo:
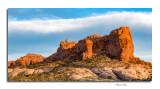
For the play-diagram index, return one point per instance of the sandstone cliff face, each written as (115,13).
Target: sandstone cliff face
(27,60)
(117,44)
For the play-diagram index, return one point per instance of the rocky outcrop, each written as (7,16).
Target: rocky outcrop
(120,45)
(38,71)
(15,72)
(104,74)
(11,63)
(82,74)
(10,70)
(117,44)
(27,60)
(88,52)
(138,60)
(133,73)
(66,45)
(102,68)
(47,69)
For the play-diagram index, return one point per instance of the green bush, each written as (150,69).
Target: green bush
(109,77)
(89,60)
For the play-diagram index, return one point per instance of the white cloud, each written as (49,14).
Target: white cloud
(110,19)
(13,57)
(147,58)
(145,55)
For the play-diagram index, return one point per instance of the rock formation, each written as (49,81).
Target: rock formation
(88,52)
(11,63)
(102,50)
(117,44)
(66,45)
(120,45)
(27,60)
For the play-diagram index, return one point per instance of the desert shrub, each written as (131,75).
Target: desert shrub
(22,66)
(144,79)
(127,67)
(98,55)
(34,77)
(110,56)
(65,64)
(109,77)
(89,60)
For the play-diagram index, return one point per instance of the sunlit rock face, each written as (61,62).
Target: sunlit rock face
(88,52)
(27,60)
(118,44)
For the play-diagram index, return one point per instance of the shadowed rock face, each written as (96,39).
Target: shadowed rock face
(27,60)
(11,63)
(117,44)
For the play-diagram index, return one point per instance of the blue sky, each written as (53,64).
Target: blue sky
(40,30)
(56,13)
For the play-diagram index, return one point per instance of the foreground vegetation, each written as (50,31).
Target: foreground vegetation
(62,70)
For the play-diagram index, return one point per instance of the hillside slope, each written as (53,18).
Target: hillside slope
(101,68)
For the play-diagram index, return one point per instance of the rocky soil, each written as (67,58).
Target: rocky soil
(101,68)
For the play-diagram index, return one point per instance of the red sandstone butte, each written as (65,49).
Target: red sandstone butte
(117,44)
(27,60)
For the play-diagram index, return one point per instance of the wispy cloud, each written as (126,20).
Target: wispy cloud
(112,19)
(13,57)
(147,58)
(144,55)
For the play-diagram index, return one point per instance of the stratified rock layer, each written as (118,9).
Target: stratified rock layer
(117,44)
